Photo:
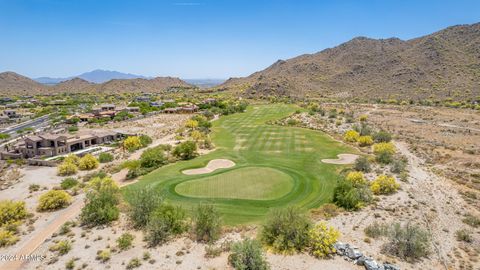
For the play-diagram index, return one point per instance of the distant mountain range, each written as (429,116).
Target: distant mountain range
(12,83)
(95,76)
(442,65)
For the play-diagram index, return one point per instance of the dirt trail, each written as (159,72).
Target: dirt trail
(69,213)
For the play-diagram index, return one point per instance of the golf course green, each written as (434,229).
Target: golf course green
(275,166)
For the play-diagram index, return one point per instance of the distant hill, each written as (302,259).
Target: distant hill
(95,76)
(445,64)
(205,83)
(14,84)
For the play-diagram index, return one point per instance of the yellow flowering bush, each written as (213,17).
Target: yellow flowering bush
(351,136)
(365,140)
(356,178)
(88,162)
(384,184)
(384,147)
(7,238)
(53,199)
(67,168)
(132,143)
(74,159)
(322,239)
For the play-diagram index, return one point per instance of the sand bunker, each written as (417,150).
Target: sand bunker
(212,165)
(342,159)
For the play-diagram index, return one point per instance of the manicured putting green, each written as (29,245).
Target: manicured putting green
(254,183)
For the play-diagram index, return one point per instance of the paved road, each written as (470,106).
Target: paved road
(12,130)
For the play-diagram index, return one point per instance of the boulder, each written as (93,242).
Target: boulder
(388,266)
(353,253)
(340,248)
(371,265)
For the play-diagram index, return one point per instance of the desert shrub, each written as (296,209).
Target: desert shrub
(185,150)
(464,236)
(196,135)
(376,230)
(142,202)
(62,247)
(363,129)
(134,263)
(72,158)
(365,141)
(212,251)
(101,202)
(153,158)
(166,221)
(67,168)
(472,220)
(70,264)
(7,238)
(398,166)
(408,242)
(88,162)
(362,164)
(132,143)
(12,212)
(363,118)
(105,157)
(326,211)
(145,140)
(125,240)
(207,223)
(68,183)
(351,136)
(34,187)
(286,230)
(53,199)
(248,255)
(356,178)
(322,238)
(384,152)
(384,184)
(103,255)
(349,197)
(191,124)
(382,136)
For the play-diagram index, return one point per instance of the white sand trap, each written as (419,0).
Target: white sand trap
(212,165)
(342,159)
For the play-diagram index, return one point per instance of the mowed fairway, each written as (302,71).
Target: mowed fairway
(275,166)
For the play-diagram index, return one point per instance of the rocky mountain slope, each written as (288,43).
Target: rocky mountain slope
(442,65)
(14,84)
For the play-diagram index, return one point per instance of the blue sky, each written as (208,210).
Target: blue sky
(200,38)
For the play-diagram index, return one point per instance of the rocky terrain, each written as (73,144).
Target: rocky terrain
(442,65)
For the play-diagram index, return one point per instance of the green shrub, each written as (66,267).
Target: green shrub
(362,164)
(248,255)
(145,140)
(464,236)
(142,202)
(62,247)
(12,212)
(207,223)
(286,230)
(105,157)
(185,150)
(398,166)
(349,197)
(53,200)
(164,222)
(34,187)
(376,230)
(68,183)
(153,158)
(124,242)
(70,264)
(472,220)
(101,202)
(134,263)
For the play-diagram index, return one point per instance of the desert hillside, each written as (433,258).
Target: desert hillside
(442,65)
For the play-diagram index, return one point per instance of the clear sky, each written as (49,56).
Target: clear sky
(201,38)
